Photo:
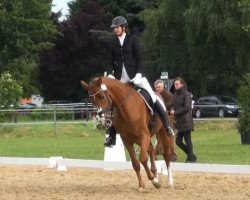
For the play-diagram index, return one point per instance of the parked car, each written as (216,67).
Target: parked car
(215,105)
(26,106)
(58,104)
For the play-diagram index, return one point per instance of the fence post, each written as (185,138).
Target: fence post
(55,119)
(87,112)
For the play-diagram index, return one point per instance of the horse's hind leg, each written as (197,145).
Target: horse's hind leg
(151,153)
(136,165)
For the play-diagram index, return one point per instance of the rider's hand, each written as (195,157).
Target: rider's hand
(137,79)
(111,76)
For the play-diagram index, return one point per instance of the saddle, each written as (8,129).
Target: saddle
(147,98)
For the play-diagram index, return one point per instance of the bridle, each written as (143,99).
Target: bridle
(109,98)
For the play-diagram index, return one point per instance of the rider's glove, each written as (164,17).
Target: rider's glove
(137,79)
(111,76)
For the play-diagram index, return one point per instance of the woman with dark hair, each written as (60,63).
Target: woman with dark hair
(125,62)
(182,111)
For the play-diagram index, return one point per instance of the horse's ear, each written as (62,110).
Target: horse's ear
(84,85)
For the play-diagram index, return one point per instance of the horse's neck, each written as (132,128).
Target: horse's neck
(119,91)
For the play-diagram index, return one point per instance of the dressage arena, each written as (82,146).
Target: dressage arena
(40,182)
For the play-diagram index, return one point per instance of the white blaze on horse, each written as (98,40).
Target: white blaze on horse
(131,119)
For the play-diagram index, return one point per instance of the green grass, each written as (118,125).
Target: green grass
(214,142)
(219,142)
(69,141)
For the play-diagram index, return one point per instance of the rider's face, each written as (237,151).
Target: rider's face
(118,30)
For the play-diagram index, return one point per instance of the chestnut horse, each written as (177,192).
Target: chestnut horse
(131,119)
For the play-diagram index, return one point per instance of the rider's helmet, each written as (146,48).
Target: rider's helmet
(119,21)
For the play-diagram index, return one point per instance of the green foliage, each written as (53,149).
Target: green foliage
(79,53)
(217,44)
(164,38)
(27,30)
(11,91)
(202,41)
(243,97)
(75,6)
(244,6)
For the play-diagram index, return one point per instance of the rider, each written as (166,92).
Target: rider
(126,62)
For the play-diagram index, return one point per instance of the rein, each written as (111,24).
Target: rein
(93,95)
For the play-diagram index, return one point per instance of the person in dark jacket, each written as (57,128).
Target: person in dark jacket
(125,62)
(182,111)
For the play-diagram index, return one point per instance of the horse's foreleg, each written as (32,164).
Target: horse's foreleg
(136,165)
(156,181)
(151,153)
(144,157)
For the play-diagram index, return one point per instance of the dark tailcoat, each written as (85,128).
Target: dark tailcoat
(129,54)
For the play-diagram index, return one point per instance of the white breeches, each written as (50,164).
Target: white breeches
(145,85)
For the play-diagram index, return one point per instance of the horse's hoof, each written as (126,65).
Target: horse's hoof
(170,186)
(140,189)
(156,182)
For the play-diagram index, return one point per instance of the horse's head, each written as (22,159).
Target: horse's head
(98,94)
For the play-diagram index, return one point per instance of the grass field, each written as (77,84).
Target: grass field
(214,142)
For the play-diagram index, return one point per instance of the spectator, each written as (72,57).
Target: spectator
(167,98)
(182,111)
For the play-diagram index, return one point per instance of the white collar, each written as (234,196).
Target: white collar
(121,38)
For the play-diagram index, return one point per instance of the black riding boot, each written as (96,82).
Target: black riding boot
(111,139)
(163,116)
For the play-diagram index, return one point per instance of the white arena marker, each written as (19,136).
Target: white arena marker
(60,165)
(116,153)
(61,168)
(53,162)
(164,169)
(158,164)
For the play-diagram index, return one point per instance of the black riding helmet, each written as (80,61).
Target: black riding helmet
(119,21)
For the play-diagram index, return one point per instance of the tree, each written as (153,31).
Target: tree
(164,38)
(78,53)
(11,91)
(75,6)
(244,6)
(27,30)
(218,46)
(130,9)
(202,41)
